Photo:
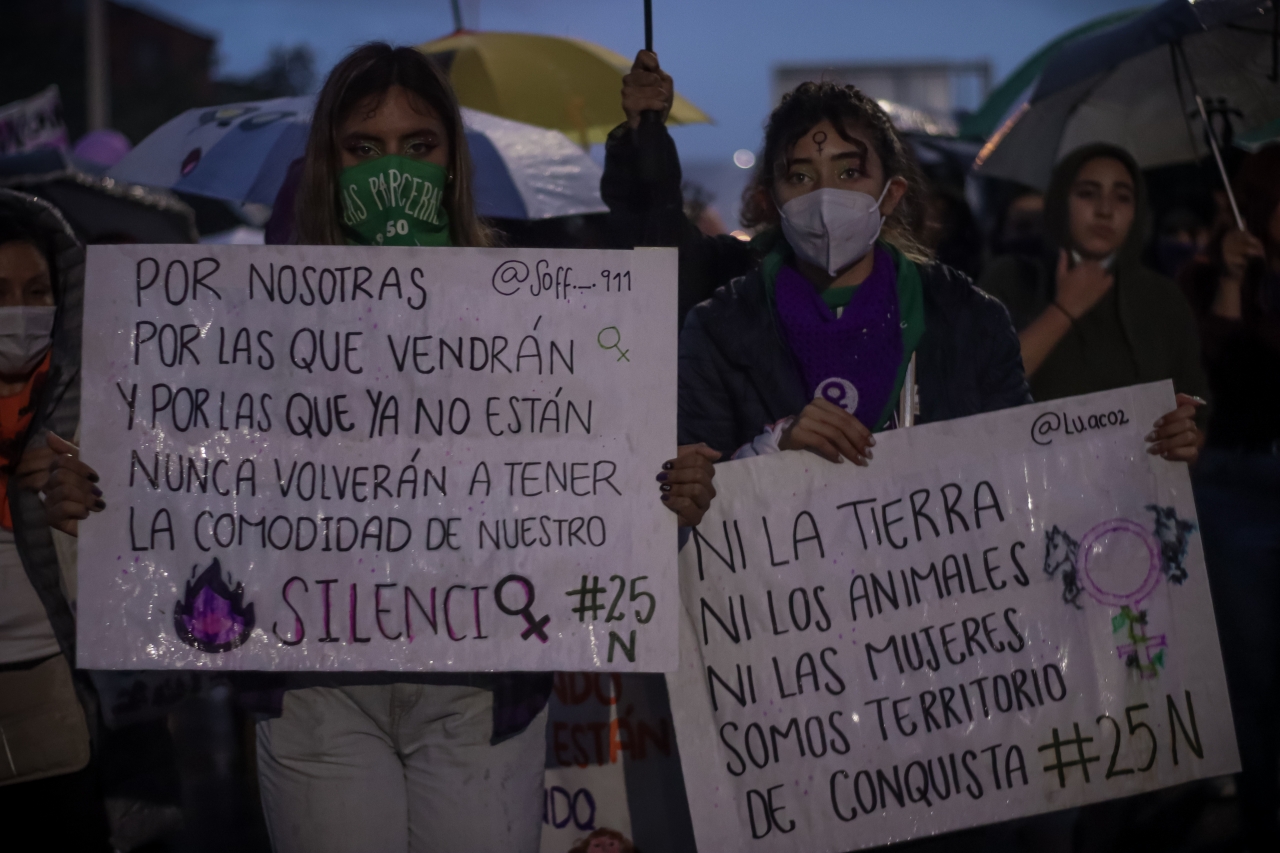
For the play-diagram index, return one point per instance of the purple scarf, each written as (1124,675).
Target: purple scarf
(851,360)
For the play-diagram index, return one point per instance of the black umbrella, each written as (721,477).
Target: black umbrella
(1142,84)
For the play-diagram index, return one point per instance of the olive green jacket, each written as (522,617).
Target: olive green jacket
(1142,330)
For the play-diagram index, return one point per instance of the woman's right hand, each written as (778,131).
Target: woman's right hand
(71,493)
(830,432)
(686,482)
(647,87)
(1237,248)
(1080,287)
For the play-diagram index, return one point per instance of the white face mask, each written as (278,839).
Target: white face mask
(832,228)
(26,333)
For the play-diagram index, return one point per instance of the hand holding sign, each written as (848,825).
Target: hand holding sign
(686,482)
(1175,435)
(71,492)
(829,431)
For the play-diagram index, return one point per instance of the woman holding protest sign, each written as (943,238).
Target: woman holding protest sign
(400,761)
(816,345)
(1099,319)
(49,772)
(836,195)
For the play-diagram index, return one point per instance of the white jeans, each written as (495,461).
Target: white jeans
(399,767)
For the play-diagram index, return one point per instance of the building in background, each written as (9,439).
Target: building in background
(157,66)
(944,90)
(923,99)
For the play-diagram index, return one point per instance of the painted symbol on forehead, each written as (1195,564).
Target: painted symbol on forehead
(819,138)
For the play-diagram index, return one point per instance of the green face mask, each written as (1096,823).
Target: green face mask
(395,201)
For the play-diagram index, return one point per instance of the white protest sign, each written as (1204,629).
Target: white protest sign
(585,786)
(612,763)
(378,459)
(1001,615)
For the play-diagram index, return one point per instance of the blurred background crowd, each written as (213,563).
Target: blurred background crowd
(988,94)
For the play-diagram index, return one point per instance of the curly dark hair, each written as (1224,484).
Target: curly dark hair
(845,107)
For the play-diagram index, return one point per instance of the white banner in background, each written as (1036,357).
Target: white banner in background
(612,763)
(32,123)
(1002,615)
(378,459)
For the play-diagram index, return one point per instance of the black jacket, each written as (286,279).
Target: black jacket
(737,374)
(646,208)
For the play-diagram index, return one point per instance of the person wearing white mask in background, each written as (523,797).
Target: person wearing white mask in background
(47,783)
(845,327)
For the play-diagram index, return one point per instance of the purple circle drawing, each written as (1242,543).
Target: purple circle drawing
(1096,538)
(840,392)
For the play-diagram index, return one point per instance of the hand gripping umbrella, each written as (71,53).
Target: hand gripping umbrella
(560,83)
(1151,85)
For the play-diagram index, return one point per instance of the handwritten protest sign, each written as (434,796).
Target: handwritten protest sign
(1001,615)
(612,763)
(378,459)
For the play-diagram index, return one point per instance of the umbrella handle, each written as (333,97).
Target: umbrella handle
(652,160)
(649,117)
(1217,156)
(1213,137)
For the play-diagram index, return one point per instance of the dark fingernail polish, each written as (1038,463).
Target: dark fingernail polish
(666,487)
(662,476)
(100,504)
(666,497)
(93,478)
(667,466)
(97,493)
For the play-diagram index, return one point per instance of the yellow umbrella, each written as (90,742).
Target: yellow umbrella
(565,84)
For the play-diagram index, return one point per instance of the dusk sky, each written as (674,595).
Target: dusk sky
(720,52)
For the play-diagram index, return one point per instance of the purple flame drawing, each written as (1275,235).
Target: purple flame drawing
(212,617)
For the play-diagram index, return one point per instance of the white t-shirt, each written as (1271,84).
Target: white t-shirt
(25,632)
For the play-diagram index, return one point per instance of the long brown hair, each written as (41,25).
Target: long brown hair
(844,106)
(368,72)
